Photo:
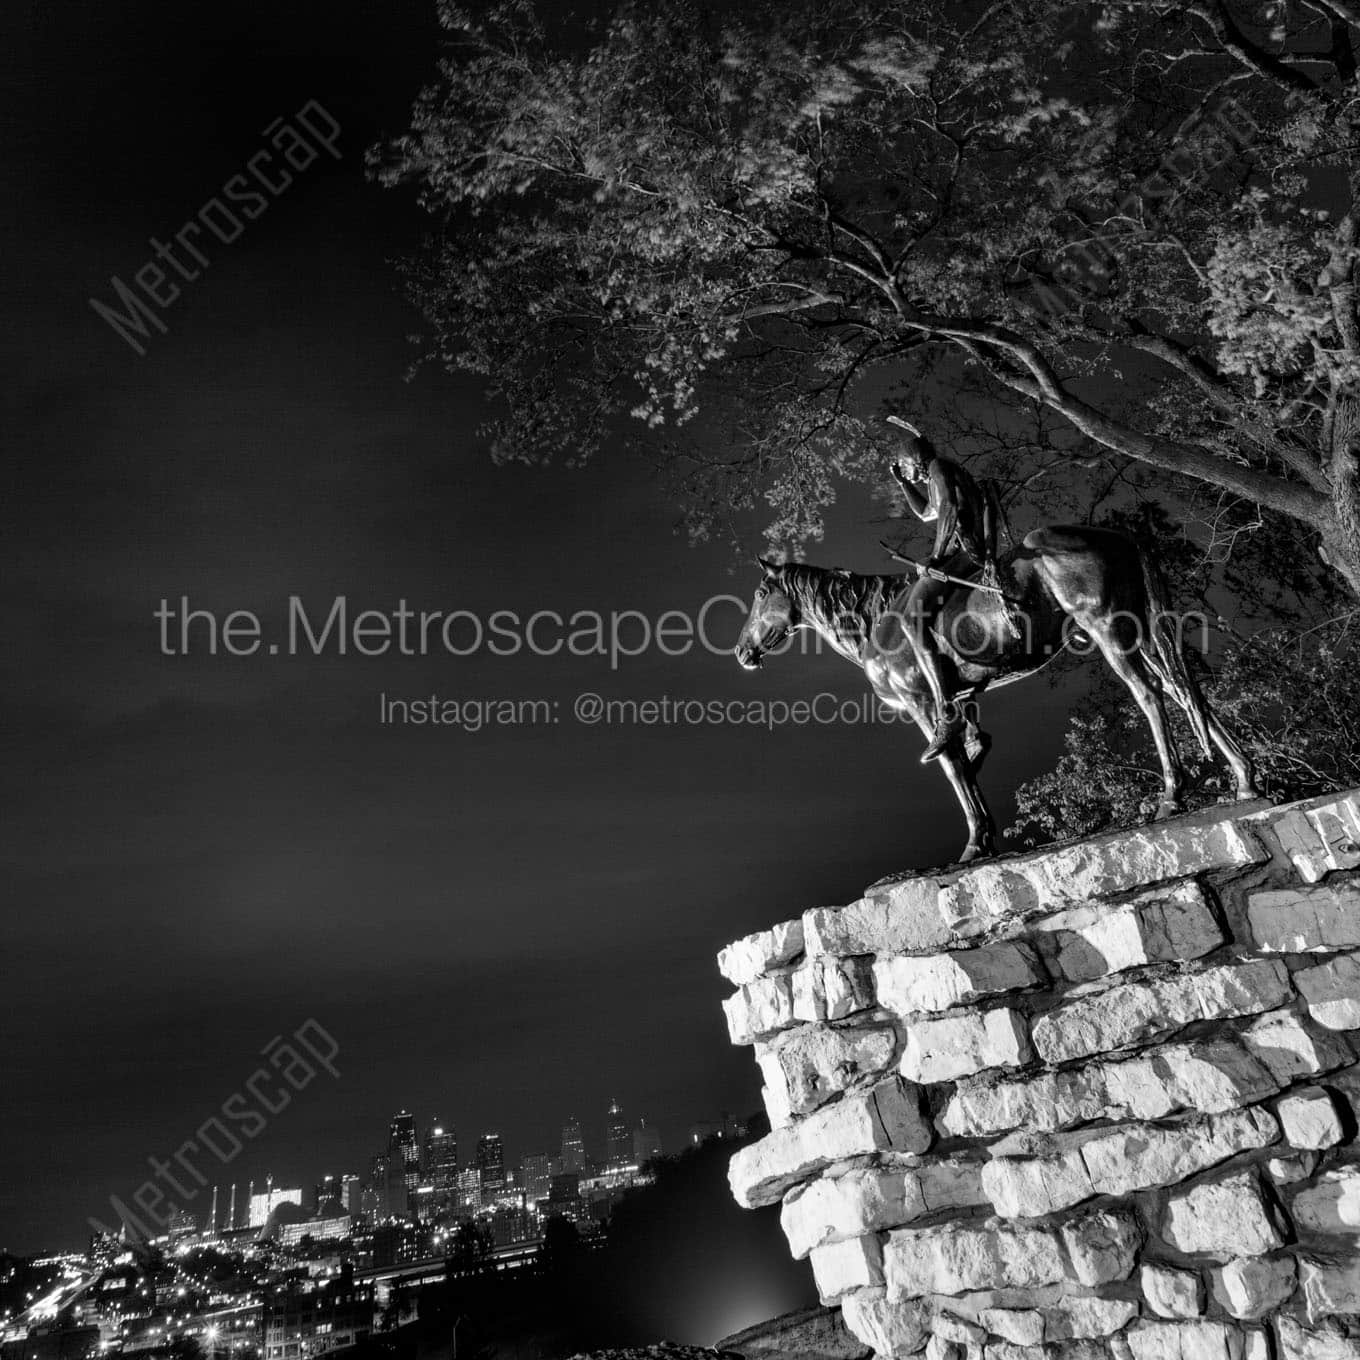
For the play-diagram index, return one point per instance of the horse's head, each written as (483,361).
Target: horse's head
(773,616)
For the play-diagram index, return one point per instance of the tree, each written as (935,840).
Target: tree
(1138,218)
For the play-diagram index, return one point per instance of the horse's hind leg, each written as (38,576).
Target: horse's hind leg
(1128,666)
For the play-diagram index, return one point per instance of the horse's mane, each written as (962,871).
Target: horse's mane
(844,603)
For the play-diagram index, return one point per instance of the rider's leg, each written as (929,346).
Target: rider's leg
(922,606)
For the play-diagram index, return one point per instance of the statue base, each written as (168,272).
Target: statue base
(1096,1100)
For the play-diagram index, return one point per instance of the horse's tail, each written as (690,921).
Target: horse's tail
(1162,647)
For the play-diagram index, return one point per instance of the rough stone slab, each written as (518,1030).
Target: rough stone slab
(1023,1326)
(1251,1287)
(951,1046)
(1332,991)
(1289,1170)
(859,1202)
(1132,1013)
(1100,866)
(810,1065)
(1310,1119)
(885,1118)
(1087,1317)
(776,1102)
(1329,1287)
(759,1008)
(1119,1162)
(1172,1293)
(954,1259)
(1226,1218)
(893,1327)
(1202,1340)
(831,989)
(1102,1247)
(755,955)
(900,918)
(1320,838)
(1331,1204)
(843,1267)
(1290,1049)
(1302,920)
(927,983)
(1297,1342)
(1168,925)
(1208,1075)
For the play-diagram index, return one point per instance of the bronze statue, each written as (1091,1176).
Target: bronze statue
(1099,580)
(940,491)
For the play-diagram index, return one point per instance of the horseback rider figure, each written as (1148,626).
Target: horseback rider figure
(965,513)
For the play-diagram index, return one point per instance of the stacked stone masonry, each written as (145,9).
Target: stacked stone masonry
(1097,1100)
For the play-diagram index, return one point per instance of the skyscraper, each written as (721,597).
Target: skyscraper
(403,1152)
(491,1165)
(537,1177)
(617,1143)
(573,1148)
(441,1159)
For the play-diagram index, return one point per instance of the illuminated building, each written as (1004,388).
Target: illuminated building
(537,1177)
(617,1144)
(573,1148)
(491,1165)
(441,1160)
(261,1206)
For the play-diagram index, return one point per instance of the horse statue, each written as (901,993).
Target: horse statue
(1060,579)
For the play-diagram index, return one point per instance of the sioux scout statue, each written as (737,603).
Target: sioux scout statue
(968,620)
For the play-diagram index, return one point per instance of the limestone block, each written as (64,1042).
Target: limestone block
(951,1046)
(754,955)
(1202,1340)
(950,1183)
(1138,1157)
(1133,1157)
(1208,1075)
(1102,1247)
(1310,1119)
(859,1202)
(955,1258)
(776,1102)
(1157,927)
(1322,838)
(1100,866)
(1305,919)
(1030,1187)
(1172,1293)
(893,1327)
(1251,1287)
(1297,1342)
(830,989)
(1332,991)
(759,1008)
(935,982)
(815,1062)
(1087,1317)
(1331,1204)
(1133,1012)
(1329,1287)
(1023,1326)
(1290,1049)
(843,1267)
(885,1118)
(1225,1218)
(899,918)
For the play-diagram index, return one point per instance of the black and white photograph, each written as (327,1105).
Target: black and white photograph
(681,680)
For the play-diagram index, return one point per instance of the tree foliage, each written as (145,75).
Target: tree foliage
(1135,216)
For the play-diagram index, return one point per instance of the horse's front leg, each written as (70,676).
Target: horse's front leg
(959,770)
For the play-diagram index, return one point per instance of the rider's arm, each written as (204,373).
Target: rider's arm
(918,504)
(946,513)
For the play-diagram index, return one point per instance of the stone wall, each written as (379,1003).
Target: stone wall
(1099,1100)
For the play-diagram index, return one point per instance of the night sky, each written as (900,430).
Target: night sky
(501,928)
